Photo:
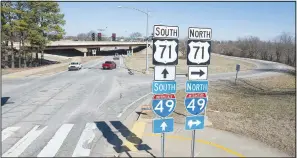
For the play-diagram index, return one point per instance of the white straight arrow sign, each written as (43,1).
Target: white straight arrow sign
(163,126)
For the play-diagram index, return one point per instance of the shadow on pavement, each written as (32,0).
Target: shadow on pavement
(117,143)
(4,101)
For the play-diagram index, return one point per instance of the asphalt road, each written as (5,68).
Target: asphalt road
(78,113)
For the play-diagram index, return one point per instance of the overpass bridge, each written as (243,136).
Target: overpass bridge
(87,46)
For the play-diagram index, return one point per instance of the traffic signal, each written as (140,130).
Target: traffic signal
(99,37)
(93,36)
(113,37)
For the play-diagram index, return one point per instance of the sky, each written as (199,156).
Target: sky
(228,20)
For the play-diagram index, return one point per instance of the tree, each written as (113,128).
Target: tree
(8,27)
(135,35)
(45,19)
(182,47)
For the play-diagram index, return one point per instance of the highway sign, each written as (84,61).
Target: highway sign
(163,104)
(165,51)
(194,122)
(164,87)
(198,52)
(164,73)
(199,33)
(163,125)
(196,102)
(197,86)
(163,31)
(198,72)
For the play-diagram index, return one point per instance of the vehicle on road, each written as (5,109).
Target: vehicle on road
(109,65)
(74,66)
(116,56)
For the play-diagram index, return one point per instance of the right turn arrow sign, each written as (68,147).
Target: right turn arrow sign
(198,72)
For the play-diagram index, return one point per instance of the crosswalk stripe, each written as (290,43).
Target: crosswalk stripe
(23,143)
(56,142)
(87,136)
(7,132)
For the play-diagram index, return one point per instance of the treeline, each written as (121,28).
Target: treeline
(28,26)
(281,49)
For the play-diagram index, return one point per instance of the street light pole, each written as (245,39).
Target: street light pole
(146,70)
(147,16)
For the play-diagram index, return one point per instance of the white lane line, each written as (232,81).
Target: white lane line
(86,137)
(22,144)
(7,132)
(128,106)
(56,142)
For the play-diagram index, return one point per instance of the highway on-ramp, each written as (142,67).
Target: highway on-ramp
(73,113)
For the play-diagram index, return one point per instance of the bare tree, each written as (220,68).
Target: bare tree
(135,35)
(182,47)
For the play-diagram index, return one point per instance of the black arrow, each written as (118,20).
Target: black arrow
(200,73)
(165,73)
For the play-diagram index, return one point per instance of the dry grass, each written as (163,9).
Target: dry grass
(263,109)
(218,64)
(52,68)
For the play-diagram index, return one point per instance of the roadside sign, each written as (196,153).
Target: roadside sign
(164,87)
(199,33)
(163,104)
(94,51)
(165,51)
(164,31)
(163,125)
(198,72)
(164,73)
(198,52)
(194,122)
(195,103)
(196,86)
(237,67)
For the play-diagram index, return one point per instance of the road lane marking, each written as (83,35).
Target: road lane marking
(128,106)
(22,144)
(199,141)
(138,130)
(7,132)
(56,142)
(86,137)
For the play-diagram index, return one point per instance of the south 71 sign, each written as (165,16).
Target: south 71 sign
(196,102)
(163,104)
(165,51)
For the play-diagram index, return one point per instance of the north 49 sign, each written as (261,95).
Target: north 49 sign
(198,52)
(165,51)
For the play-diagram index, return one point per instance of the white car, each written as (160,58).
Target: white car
(74,66)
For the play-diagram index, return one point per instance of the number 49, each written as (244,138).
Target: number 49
(200,102)
(168,103)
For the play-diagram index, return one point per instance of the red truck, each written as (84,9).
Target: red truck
(109,65)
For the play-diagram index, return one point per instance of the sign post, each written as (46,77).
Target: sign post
(165,59)
(237,70)
(198,59)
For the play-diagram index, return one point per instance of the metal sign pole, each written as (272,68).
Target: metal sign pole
(162,143)
(193,144)
(236,76)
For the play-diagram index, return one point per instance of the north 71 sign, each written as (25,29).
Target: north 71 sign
(198,52)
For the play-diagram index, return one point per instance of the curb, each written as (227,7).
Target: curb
(133,117)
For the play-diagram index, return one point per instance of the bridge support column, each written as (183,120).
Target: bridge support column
(131,49)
